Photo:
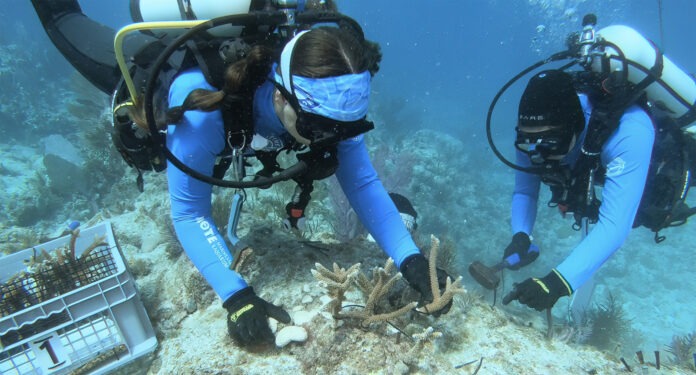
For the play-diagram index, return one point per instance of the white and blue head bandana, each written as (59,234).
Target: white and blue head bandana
(342,98)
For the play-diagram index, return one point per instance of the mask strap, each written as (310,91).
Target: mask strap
(286,59)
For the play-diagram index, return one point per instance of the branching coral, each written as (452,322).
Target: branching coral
(50,274)
(340,280)
(427,337)
(376,289)
(440,299)
(336,282)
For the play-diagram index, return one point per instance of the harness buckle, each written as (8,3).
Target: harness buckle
(237,158)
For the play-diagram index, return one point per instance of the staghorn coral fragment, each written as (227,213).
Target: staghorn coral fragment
(60,258)
(73,238)
(50,274)
(379,318)
(375,289)
(337,283)
(428,336)
(338,278)
(440,300)
(98,241)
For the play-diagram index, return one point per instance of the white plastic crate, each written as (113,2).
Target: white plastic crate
(60,316)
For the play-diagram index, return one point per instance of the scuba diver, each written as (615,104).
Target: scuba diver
(301,88)
(577,129)
(551,129)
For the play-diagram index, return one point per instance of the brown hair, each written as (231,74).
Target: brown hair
(241,78)
(331,51)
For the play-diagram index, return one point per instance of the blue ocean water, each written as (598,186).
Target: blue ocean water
(444,61)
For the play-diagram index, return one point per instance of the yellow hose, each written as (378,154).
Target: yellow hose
(121,34)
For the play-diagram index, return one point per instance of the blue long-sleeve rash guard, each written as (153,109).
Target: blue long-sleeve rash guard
(626,158)
(199,138)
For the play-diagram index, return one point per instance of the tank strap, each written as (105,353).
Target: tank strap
(185,10)
(688,117)
(655,71)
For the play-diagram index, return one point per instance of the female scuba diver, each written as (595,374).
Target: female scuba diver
(315,97)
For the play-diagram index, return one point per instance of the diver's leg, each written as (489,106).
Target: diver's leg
(86,44)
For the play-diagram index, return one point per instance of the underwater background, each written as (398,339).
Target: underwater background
(444,61)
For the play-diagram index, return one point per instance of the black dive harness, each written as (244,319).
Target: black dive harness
(611,94)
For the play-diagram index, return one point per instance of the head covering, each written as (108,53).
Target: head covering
(550,100)
(343,98)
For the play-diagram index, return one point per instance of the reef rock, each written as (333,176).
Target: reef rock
(289,334)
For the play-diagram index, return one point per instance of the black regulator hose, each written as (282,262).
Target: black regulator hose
(555,57)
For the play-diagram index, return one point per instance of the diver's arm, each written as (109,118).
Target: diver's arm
(371,201)
(524,197)
(196,141)
(626,157)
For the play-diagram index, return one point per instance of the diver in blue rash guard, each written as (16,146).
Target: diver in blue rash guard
(339,92)
(553,118)
(316,98)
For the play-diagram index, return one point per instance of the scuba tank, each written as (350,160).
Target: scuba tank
(675,91)
(177,10)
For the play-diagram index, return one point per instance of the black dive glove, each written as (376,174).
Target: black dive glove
(519,245)
(540,294)
(247,317)
(415,270)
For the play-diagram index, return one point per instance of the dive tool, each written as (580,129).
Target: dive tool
(488,276)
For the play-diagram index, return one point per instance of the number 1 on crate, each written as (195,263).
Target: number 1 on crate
(50,353)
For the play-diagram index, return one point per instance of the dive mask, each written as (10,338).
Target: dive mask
(541,146)
(324,131)
(321,130)
(329,109)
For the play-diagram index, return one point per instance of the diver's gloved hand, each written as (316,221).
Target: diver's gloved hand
(247,317)
(295,219)
(540,294)
(415,270)
(521,246)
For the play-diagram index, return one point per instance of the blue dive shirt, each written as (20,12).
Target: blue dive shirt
(199,138)
(626,159)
